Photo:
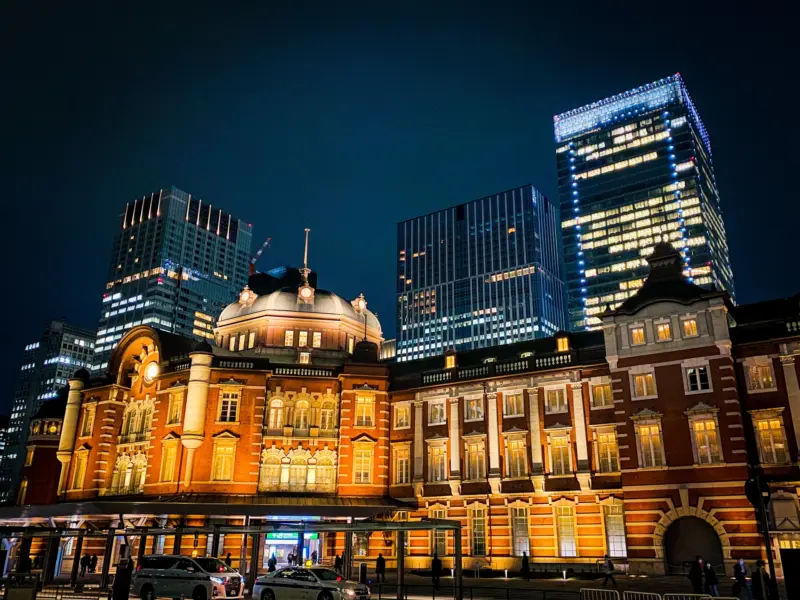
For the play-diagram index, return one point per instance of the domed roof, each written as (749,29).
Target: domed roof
(285,300)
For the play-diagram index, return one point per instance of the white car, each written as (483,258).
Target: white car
(173,576)
(315,583)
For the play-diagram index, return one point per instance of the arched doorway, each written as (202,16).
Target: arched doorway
(687,538)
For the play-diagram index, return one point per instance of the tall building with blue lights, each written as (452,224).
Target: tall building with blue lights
(177,261)
(479,274)
(635,169)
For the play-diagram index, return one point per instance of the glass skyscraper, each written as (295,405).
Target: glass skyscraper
(633,170)
(177,261)
(46,366)
(479,274)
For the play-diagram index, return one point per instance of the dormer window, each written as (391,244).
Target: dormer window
(562,344)
(305,358)
(488,360)
(663,332)
(450,361)
(637,336)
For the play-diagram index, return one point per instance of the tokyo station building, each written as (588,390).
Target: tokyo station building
(633,441)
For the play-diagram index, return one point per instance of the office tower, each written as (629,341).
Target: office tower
(46,366)
(633,170)
(479,274)
(177,261)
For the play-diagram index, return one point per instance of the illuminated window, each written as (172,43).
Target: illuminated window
(475,454)
(169,454)
(351,341)
(365,410)
(88,421)
(232,343)
(607,451)
(477,531)
(663,332)
(327,416)
(29,457)
(288,338)
(513,405)
(175,408)
(473,409)
(651,450)
(363,464)
(697,379)
(276,414)
(706,441)
(402,464)
(402,416)
(438,536)
(305,358)
(555,401)
(302,413)
(637,336)
(251,341)
(760,376)
(437,462)
(79,473)
(302,339)
(771,440)
(450,361)
(516,457)
(563,344)
(23,491)
(229,407)
(644,385)
(519,531)
(689,328)
(222,461)
(601,396)
(565,526)
(560,459)
(242,339)
(437,413)
(615,531)
(316,339)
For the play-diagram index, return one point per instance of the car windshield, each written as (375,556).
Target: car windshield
(326,574)
(213,565)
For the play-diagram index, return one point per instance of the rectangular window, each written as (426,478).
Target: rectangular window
(476,460)
(559,453)
(232,343)
(477,530)
(222,462)
(438,536)
(689,328)
(88,422)
(29,457)
(697,378)
(437,463)
(615,531)
(644,385)
(517,462)
(607,452)
(79,473)
(168,455)
(565,525)
(251,340)
(365,411)
(316,339)
(519,531)
(229,407)
(759,377)
(360,544)
(663,332)
(288,338)
(302,339)
(402,416)
(650,446)
(601,396)
(402,465)
(351,341)
(637,336)
(363,465)
(305,358)
(562,344)
(241,341)
(473,409)
(512,405)
(771,441)
(23,491)
(706,441)
(175,408)
(556,401)
(437,413)
(450,361)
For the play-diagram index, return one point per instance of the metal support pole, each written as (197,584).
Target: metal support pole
(401,562)
(107,559)
(243,550)
(50,559)
(177,540)
(251,579)
(215,542)
(457,575)
(24,555)
(76,560)
(347,563)
(142,547)
(300,541)
(767,541)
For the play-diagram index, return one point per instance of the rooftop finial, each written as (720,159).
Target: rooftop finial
(305,270)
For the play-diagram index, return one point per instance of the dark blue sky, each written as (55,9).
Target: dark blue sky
(350,118)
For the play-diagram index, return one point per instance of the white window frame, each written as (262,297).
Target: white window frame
(524,469)
(438,537)
(760,362)
(217,457)
(519,405)
(316,339)
(616,506)
(645,370)
(518,514)
(686,318)
(237,404)
(599,430)
(649,422)
(469,474)
(696,364)
(770,415)
(631,328)
(439,402)
(662,322)
(404,406)
(432,472)
(474,512)
(288,338)
(364,418)
(397,449)
(567,548)
(596,382)
(565,434)
(477,412)
(361,476)
(548,409)
(705,415)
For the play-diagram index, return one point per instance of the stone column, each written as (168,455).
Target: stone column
(419,450)
(493,435)
(455,449)
(582,450)
(194,417)
(66,443)
(537,464)
(793,393)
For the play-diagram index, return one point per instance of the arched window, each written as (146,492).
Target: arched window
(327,416)
(301,414)
(298,473)
(326,474)
(138,474)
(276,414)
(119,479)
(270,471)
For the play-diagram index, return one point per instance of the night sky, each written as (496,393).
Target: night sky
(347,118)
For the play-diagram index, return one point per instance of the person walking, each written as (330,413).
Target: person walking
(380,568)
(526,567)
(93,563)
(712,583)
(314,557)
(697,575)
(228,559)
(436,570)
(608,569)
(85,559)
(742,586)
(272,563)
(337,564)
(763,585)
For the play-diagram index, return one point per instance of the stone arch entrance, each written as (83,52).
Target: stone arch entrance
(688,537)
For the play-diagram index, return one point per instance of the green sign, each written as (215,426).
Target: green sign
(289,536)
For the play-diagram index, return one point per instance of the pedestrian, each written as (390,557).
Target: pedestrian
(697,575)
(712,583)
(93,563)
(85,560)
(228,559)
(380,568)
(608,569)
(526,567)
(337,564)
(741,587)
(272,563)
(436,570)
(314,557)
(763,585)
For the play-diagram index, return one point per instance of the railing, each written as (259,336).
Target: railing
(304,372)
(134,438)
(130,490)
(388,591)
(314,488)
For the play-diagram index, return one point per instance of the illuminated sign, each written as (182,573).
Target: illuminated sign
(289,536)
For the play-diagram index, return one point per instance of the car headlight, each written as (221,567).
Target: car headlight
(350,592)
(218,580)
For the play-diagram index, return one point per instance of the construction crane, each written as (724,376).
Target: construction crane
(258,254)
